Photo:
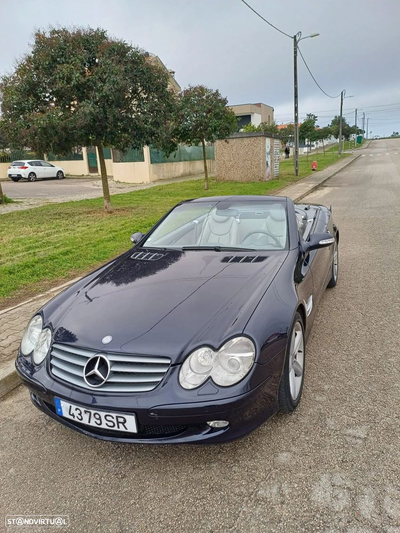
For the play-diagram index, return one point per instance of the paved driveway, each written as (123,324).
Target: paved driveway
(50,189)
(332,466)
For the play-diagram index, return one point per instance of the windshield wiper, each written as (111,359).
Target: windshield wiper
(219,248)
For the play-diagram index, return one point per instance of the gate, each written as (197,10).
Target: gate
(92,160)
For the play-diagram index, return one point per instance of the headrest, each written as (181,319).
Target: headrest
(222,215)
(278,215)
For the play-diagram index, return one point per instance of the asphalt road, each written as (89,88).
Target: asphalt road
(331,466)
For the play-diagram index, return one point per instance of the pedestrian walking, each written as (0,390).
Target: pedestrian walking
(287,152)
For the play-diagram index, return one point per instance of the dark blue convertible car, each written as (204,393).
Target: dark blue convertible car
(197,334)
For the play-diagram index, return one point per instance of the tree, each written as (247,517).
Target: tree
(347,130)
(81,88)
(287,133)
(202,116)
(307,130)
(395,134)
(263,126)
(323,134)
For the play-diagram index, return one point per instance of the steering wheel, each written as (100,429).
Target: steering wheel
(264,233)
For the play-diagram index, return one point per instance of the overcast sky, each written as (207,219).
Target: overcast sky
(222,44)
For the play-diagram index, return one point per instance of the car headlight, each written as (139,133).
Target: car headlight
(31,335)
(227,366)
(42,347)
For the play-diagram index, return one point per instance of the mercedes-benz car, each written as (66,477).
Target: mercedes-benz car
(33,170)
(197,334)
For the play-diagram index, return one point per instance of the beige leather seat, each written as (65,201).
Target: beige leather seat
(219,230)
(275,224)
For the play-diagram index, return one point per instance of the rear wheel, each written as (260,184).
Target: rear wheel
(292,380)
(335,266)
(32,176)
(60,174)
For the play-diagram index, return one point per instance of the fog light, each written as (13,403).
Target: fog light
(218,423)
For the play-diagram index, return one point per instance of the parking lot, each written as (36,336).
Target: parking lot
(333,465)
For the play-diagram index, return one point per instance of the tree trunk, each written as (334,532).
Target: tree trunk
(323,146)
(205,166)
(104,179)
(1,196)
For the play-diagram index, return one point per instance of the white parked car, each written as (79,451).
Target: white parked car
(33,170)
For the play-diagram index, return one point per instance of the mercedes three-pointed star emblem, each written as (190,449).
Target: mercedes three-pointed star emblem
(96,370)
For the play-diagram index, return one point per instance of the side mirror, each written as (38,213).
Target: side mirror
(318,240)
(136,237)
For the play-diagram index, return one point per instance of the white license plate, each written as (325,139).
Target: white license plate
(98,419)
(13,175)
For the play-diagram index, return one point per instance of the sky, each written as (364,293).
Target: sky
(224,45)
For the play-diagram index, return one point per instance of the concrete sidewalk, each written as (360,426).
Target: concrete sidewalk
(14,320)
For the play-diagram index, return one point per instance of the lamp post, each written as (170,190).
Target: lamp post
(296,39)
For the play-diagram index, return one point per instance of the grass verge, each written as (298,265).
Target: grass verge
(47,245)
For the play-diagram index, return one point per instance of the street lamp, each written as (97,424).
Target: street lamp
(296,39)
(342,97)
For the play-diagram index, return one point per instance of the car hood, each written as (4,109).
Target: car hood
(166,303)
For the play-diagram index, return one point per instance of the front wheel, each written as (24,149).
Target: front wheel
(60,175)
(292,380)
(32,176)
(335,266)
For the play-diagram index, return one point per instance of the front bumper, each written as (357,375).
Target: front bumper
(161,419)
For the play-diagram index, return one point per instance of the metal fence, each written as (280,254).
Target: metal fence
(183,153)
(133,155)
(14,155)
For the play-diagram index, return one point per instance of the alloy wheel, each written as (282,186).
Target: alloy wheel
(296,363)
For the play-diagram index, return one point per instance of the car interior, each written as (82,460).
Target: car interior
(261,227)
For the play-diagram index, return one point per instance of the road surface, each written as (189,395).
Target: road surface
(331,466)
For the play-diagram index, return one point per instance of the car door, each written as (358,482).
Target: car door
(322,259)
(37,169)
(48,169)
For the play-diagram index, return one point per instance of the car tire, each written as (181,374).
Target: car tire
(291,385)
(15,179)
(335,266)
(31,176)
(60,175)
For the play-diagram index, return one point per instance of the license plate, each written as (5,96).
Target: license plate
(98,419)
(14,175)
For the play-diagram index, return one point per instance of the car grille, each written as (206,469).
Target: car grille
(129,373)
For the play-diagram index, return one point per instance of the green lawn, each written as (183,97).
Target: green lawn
(45,245)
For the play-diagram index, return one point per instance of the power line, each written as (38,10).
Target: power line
(267,21)
(311,74)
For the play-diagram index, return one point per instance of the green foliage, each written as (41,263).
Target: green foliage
(307,130)
(287,134)
(324,133)
(80,87)
(264,127)
(347,130)
(202,114)
(249,128)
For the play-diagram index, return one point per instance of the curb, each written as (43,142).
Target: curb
(315,187)
(9,378)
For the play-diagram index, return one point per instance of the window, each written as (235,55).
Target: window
(242,225)
(45,164)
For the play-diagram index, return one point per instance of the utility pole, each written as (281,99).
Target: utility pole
(340,122)
(296,106)
(363,124)
(367,127)
(296,39)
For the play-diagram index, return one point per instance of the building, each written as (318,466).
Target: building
(253,114)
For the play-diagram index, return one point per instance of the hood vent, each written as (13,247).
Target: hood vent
(146,256)
(244,259)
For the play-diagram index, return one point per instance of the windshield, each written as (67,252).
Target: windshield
(223,225)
